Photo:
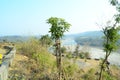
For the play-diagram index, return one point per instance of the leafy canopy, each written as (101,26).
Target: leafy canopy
(111,38)
(58,27)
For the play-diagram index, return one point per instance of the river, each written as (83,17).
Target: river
(97,53)
(114,58)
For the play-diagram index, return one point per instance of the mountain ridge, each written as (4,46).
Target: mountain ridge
(15,38)
(86,34)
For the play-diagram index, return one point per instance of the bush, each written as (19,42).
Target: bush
(45,60)
(90,75)
(29,47)
(71,71)
(84,55)
(63,50)
(87,55)
(43,63)
(106,76)
(69,56)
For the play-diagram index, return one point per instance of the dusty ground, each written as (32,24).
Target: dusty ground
(18,68)
(17,63)
(88,64)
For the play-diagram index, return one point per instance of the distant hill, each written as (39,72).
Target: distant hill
(17,38)
(91,34)
(92,38)
(14,38)
(80,38)
(85,34)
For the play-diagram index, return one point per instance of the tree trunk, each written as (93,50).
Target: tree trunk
(59,47)
(102,66)
(58,58)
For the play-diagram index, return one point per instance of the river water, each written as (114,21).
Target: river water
(114,58)
(97,53)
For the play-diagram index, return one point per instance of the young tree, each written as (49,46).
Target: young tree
(58,27)
(111,37)
(77,50)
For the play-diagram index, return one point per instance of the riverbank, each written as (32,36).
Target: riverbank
(96,53)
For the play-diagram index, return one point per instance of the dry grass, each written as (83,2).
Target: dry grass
(25,67)
(2,51)
(115,71)
(20,62)
(21,58)
(91,64)
(19,66)
(17,63)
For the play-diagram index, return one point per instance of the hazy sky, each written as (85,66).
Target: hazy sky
(28,17)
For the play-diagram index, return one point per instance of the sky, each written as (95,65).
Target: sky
(28,17)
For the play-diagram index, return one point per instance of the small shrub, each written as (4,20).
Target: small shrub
(87,55)
(71,71)
(43,63)
(90,75)
(69,56)
(63,49)
(106,76)
(83,55)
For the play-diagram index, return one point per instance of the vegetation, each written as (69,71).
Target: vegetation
(81,53)
(46,40)
(63,50)
(33,61)
(90,75)
(39,63)
(58,27)
(36,63)
(76,52)
(111,37)
(70,70)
